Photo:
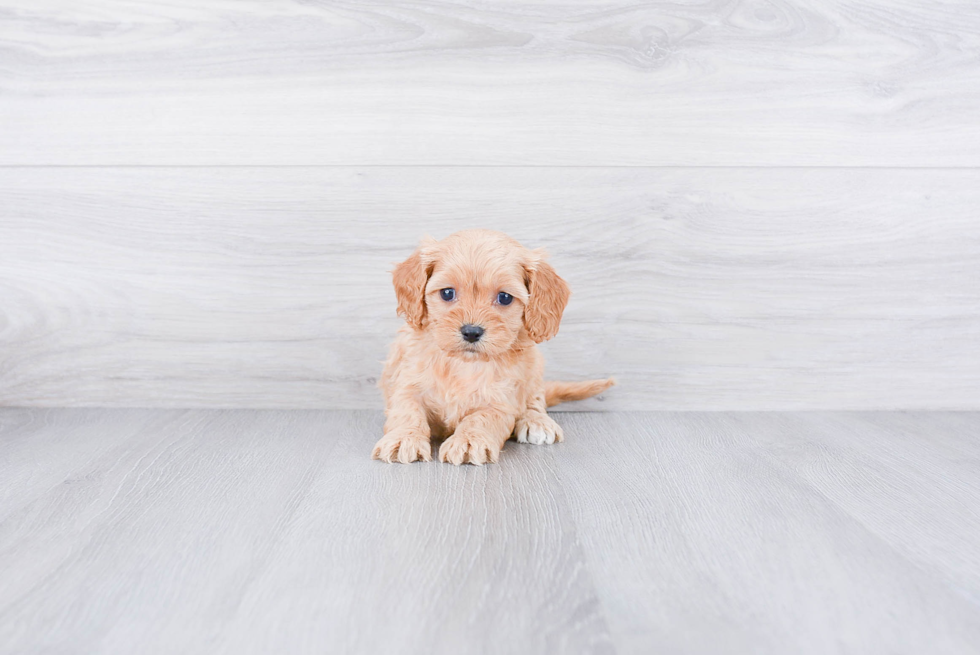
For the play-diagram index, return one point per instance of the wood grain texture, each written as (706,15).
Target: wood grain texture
(697,288)
(604,82)
(779,533)
(238,532)
(269,531)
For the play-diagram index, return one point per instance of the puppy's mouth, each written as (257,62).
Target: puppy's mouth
(470,350)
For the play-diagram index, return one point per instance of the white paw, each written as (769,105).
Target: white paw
(538,429)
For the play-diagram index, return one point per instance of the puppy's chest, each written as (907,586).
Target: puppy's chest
(455,389)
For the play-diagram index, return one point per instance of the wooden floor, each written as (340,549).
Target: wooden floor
(197,531)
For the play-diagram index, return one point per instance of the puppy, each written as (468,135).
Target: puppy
(465,365)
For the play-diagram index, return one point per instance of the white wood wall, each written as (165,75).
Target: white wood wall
(759,205)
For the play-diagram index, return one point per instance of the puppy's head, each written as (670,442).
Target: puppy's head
(478,292)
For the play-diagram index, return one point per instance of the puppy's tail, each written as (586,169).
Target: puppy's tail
(559,392)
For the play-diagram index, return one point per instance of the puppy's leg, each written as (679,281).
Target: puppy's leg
(478,438)
(407,432)
(535,426)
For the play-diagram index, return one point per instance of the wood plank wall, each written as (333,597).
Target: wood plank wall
(759,205)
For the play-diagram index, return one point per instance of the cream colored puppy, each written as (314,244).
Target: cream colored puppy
(466,365)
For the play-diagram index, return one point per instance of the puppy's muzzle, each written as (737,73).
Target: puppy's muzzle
(471,333)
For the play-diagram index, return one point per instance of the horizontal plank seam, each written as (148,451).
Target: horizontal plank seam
(516,166)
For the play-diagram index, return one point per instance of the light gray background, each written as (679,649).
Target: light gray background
(757,205)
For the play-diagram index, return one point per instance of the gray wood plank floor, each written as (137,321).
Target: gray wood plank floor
(161,531)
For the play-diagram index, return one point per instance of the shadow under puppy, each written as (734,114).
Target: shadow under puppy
(466,365)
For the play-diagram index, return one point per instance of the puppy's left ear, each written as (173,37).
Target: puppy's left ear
(548,295)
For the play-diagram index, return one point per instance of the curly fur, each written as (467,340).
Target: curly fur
(476,395)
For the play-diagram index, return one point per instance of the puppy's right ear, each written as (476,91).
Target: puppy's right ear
(410,278)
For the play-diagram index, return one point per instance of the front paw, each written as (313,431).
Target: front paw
(405,446)
(538,428)
(474,448)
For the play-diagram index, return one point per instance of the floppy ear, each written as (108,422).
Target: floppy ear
(410,278)
(548,297)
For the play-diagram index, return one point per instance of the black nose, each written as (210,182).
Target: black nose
(471,333)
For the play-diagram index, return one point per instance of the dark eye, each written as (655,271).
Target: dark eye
(504,298)
(448,294)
